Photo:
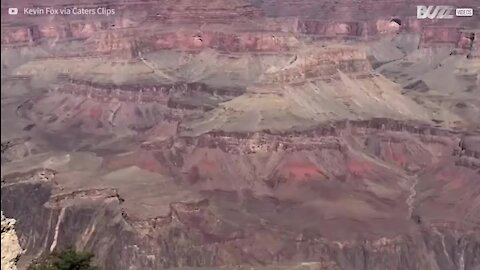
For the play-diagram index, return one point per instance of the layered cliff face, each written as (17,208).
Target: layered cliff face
(203,23)
(244,134)
(350,195)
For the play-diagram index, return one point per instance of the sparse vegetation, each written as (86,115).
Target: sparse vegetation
(68,259)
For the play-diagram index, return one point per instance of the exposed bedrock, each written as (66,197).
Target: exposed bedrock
(220,133)
(127,43)
(19,148)
(350,195)
(224,41)
(468,154)
(327,130)
(11,249)
(143,93)
(300,82)
(239,26)
(98,108)
(199,233)
(324,63)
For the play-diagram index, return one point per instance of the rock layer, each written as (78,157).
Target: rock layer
(276,175)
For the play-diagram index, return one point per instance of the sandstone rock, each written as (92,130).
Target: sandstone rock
(11,249)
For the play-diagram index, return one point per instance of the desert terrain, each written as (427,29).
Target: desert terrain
(243,134)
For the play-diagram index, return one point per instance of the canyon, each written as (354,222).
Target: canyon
(242,134)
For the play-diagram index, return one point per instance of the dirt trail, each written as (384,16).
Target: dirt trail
(411,197)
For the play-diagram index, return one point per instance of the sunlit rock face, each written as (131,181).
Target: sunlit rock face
(11,249)
(281,134)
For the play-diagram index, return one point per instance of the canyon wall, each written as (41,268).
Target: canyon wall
(258,134)
(199,233)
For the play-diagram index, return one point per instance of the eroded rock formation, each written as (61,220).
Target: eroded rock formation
(11,249)
(385,169)
(289,134)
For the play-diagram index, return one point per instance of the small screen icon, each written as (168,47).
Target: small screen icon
(13,11)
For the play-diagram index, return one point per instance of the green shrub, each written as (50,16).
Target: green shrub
(68,259)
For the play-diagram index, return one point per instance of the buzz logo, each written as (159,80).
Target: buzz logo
(435,12)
